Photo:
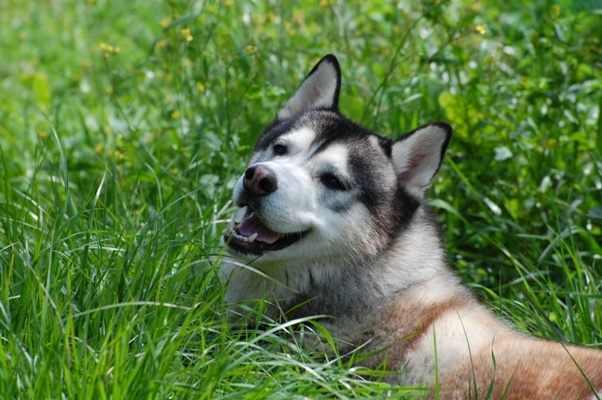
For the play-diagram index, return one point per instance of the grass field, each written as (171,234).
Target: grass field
(123,126)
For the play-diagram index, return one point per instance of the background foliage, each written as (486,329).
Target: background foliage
(123,126)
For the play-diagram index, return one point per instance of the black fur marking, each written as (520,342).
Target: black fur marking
(386,145)
(276,129)
(404,208)
(340,207)
(369,190)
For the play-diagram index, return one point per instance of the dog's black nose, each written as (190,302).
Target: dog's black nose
(260,180)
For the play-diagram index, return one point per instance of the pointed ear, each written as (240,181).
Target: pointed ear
(417,156)
(319,90)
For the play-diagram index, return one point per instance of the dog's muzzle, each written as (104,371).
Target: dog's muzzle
(247,232)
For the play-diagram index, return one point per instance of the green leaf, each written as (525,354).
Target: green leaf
(41,90)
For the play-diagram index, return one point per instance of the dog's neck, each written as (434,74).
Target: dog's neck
(348,287)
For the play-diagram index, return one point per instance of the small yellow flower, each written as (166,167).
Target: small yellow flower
(298,17)
(175,114)
(550,143)
(174,171)
(229,3)
(186,34)
(270,16)
(288,27)
(109,90)
(118,155)
(555,11)
(90,1)
(480,28)
(42,134)
(165,21)
(476,6)
(327,3)
(251,49)
(161,44)
(99,148)
(200,86)
(108,50)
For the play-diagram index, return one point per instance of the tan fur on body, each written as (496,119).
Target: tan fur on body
(332,220)
(474,352)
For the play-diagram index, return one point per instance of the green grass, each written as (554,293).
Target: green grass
(123,126)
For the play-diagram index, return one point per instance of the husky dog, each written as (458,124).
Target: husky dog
(332,220)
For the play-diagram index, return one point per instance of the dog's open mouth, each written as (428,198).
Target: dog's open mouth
(248,234)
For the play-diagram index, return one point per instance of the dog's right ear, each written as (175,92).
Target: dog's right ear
(318,91)
(417,156)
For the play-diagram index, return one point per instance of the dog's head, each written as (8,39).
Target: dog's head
(320,187)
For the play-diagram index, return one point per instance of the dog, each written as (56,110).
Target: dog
(332,220)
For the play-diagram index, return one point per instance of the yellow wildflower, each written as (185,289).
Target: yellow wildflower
(550,143)
(186,34)
(480,28)
(200,86)
(161,44)
(165,21)
(555,11)
(108,50)
(298,17)
(251,49)
(99,148)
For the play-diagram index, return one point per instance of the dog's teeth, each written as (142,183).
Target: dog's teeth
(239,214)
(253,237)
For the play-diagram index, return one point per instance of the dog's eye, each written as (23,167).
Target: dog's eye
(279,149)
(332,182)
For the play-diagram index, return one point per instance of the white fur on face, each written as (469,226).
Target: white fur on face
(302,202)
(298,143)
(335,157)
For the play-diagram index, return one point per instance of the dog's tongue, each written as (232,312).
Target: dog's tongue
(252,225)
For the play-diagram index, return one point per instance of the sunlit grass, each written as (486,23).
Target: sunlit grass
(123,126)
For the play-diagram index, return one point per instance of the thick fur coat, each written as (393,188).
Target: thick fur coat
(332,220)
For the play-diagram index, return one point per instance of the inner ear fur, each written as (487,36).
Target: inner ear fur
(418,155)
(318,91)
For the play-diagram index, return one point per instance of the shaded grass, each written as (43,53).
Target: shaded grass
(120,140)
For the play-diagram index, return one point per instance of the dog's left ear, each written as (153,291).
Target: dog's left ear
(417,156)
(318,91)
